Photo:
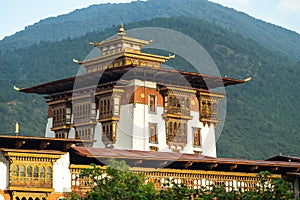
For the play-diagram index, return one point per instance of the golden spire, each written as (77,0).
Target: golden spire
(17,128)
(122,30)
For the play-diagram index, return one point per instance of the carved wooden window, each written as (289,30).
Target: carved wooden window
(60,134)
(170,131)
(177,105)
(49,173)
(109,131)
(61,115)
(153,132)
(29,171)
(84,133)
(109,106)
(22,172)
(197,137)
(187,103)
(16,172)
(68,115)
(116,106)
(26,174)
(152,103)
(176,131)
(105,107)
(83,111)
(42,173)
(36,173)
(209,109)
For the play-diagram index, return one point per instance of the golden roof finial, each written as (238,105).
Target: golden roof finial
(121,29)
(17,129)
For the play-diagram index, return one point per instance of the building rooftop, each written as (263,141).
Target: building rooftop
(161,76)
(86,155)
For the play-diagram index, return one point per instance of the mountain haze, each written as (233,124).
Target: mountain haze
(99,17)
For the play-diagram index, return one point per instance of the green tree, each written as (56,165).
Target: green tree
(117,183)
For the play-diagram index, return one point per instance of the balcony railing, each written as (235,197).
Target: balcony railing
(193,179)
(31,182)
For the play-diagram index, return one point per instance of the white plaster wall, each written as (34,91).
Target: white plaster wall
(208,141)
(4,172)
(62,174)
(140,127)
(125,127)
(48,132)
(98,136)
(72,133)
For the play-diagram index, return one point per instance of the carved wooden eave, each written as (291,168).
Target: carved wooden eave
(119,38)
(212,166)
(161,76)
(44,144)
(109,119)
(31,154)
(188,164)
(209,122)
(19,143)
(210,95)
(39,143)
(109,91)
(274,169)
(84,123)
(232,167)
(254,168)
(64,127)
(138,162)
(180,91)
(64,100)
(177,116)
(295,170)
(163,163)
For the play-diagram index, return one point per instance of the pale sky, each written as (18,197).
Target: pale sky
(285,13)
(15,15)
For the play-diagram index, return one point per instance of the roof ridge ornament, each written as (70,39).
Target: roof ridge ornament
(121,30)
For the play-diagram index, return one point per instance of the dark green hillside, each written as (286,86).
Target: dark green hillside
(261,114)
(99,17)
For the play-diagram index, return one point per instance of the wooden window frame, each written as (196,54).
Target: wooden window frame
(153,138)
(152,104)
(197,139)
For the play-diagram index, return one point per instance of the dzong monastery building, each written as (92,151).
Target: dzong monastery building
(127,107)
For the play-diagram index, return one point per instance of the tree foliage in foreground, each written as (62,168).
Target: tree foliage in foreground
(120,183)
(117,183)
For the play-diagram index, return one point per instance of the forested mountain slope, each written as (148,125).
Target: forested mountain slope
(99,17)
(262,115)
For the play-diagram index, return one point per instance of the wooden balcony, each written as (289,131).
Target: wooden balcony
(193,179)
(31,184)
